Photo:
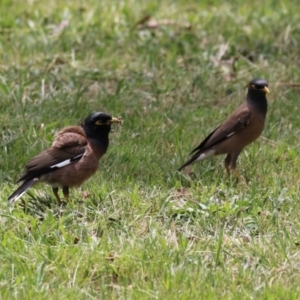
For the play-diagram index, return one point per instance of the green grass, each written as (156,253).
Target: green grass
(145,231)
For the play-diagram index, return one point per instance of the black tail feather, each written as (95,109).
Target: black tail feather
(21,190)
(189,162)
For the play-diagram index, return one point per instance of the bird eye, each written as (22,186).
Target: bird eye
(98,122)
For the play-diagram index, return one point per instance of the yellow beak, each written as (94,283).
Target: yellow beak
(116,120)
(266,90)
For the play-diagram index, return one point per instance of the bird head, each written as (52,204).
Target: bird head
(259,85)
(99,123)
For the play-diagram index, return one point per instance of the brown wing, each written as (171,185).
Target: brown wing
(68,146)
(238,120)
(69,138)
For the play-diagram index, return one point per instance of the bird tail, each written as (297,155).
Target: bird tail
(190,161)
(21,190)
(200,155)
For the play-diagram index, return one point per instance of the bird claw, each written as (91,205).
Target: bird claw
(240,177)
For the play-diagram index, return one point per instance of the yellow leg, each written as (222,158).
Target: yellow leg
(230,165)
(227,170)
(66,193)
(55,192)
(240,177)
(226,164)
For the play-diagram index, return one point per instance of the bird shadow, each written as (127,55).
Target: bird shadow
(189,177)
(40,206)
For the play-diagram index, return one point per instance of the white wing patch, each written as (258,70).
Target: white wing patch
(230,134)
(62,164)
(67,162)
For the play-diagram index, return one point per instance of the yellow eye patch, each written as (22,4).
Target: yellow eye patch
(98,122)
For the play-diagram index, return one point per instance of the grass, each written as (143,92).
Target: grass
(145,231)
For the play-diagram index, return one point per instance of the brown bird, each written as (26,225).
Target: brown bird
(241,128)
(72,158)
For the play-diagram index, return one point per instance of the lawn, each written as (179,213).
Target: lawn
(173,70)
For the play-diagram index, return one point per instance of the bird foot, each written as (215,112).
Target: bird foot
(240,177)
(236,173)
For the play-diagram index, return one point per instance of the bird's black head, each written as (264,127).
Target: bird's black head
(97,127)
(256,96)
(259,85)
(99,121)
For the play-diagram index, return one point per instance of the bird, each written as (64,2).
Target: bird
(72,158)
(241,128)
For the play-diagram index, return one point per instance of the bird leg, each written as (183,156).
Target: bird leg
(240,177)
(55,192)
(66,193)
(230,164)
(226,163)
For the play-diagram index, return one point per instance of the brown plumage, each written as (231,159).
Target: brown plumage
(72,158)
(241,128)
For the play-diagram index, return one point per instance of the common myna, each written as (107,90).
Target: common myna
(242,127)
(72,158)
